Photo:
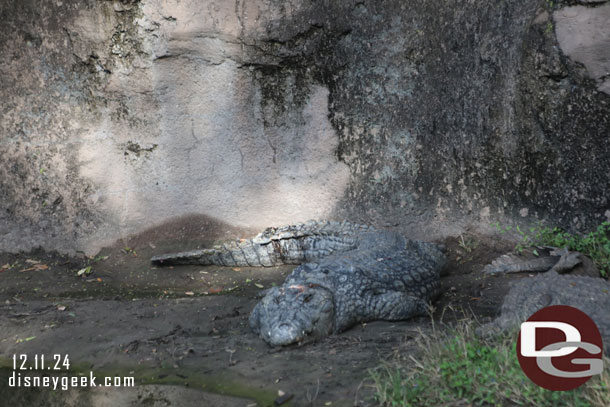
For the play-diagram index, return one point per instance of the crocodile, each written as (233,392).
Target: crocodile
(550,259)
(348,273)
(589,294)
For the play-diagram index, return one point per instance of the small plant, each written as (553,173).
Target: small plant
(99,257)
(84,271)
(129,250)
(457,368)
(468,245)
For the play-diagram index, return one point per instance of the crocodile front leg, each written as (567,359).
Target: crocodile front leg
(395,306)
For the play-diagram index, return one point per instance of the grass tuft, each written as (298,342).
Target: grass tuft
(454,367)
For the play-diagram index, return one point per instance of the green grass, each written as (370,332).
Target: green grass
(457,368)
(595,244)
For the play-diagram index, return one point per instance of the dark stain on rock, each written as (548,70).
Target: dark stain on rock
(135,148)
(466,107)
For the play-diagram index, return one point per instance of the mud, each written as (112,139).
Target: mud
(187,327)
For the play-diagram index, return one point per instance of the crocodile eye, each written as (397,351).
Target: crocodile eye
(307,297)
(276,300)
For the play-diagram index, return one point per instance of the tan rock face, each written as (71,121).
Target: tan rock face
(584,35)
(177,124)
(122,115)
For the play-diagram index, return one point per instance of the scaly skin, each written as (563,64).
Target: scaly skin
(293,244)
(350,274)
(589,294)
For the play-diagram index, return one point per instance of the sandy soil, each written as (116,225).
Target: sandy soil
(186,327)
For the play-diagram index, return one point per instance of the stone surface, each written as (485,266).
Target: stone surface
(118,116)
(127,112)
(584,36)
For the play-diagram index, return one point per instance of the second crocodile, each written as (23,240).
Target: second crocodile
(589,294)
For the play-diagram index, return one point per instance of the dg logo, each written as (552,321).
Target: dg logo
(560,348)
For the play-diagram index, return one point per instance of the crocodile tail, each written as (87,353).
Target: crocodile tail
(293,244)
(236,254)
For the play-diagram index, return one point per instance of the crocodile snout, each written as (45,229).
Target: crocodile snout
(284,334)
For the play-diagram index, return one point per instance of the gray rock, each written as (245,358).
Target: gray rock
(583,35)
(424,115)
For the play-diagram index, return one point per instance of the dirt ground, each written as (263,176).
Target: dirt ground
(182,330)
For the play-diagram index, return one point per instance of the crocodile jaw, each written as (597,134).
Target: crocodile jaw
(284,334)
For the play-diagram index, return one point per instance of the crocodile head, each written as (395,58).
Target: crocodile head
(290,314)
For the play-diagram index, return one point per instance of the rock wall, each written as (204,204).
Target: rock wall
(118,116)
